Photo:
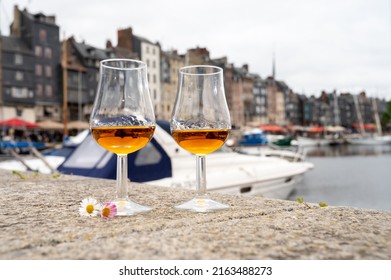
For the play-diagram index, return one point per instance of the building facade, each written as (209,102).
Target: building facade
(30,66)
(150,53)
(41,78)
(171,62)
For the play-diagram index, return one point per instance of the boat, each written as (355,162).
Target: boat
(253,137)
(368,139)
(20,147)
(281,140)
(163,163)
(291,153)
(310,142)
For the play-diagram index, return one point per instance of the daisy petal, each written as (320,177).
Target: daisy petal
(109,210)
(89,207)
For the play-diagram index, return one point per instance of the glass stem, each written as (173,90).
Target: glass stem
(122,176)
(201,176)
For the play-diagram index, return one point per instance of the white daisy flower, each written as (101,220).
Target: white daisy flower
(89,207)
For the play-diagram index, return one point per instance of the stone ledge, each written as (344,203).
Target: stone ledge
(40,220)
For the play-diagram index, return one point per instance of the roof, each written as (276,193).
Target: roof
(40,17)
(122,53)
(15,45)
(88,51)
(142,39)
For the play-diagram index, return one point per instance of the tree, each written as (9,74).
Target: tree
(386,117)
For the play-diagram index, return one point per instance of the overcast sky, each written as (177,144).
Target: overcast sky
(318,44)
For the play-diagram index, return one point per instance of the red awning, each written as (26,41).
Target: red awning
(316,129)
(271,128)
(16,122)
(367,126)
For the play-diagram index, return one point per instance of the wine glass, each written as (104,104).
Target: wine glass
(122,120)
(200,124)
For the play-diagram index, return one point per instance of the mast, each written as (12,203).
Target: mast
(376,115)
(359,116)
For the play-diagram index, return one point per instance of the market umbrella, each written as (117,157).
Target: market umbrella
(17,122)
(78,125)
(50,124)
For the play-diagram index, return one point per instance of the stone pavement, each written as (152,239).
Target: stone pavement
(39,219)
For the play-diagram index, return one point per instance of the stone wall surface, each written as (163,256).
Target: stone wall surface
(39,219)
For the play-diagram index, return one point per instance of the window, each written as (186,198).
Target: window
(48,52)
(38,70)
(39,90)
(42,35)
(19,76)
(38,51)
(18,59)
(19,92)
(154,78)
(154,64)
(48,71)
(48,91)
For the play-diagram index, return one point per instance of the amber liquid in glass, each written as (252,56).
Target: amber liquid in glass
(123,140)
(201,141)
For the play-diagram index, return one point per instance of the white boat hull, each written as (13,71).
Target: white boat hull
(376,140)
(232,173)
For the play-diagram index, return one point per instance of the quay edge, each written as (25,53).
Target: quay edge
(40,220)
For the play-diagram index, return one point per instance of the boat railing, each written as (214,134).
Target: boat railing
(22,159)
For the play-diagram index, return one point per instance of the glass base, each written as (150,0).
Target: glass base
(202,204)
(126,207)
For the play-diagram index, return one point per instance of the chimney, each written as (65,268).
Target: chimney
(245,67)
(16,24)
(109,45)
(125,38)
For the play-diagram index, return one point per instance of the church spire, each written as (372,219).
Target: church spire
(274,66)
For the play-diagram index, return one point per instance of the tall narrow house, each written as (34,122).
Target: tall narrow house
(30,66)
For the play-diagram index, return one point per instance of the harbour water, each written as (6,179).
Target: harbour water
(348,175)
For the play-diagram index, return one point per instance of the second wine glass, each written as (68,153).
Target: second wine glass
(200,124)
(122,120)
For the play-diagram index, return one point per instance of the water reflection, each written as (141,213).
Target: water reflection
(348,175)
(348,150)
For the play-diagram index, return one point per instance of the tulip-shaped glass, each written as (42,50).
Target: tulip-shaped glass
(200,124)
(122,120)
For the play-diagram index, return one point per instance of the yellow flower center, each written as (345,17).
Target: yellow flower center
(105,212)
(90,208)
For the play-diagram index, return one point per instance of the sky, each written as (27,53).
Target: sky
(342,45)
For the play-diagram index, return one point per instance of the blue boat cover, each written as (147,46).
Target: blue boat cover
(91,160)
